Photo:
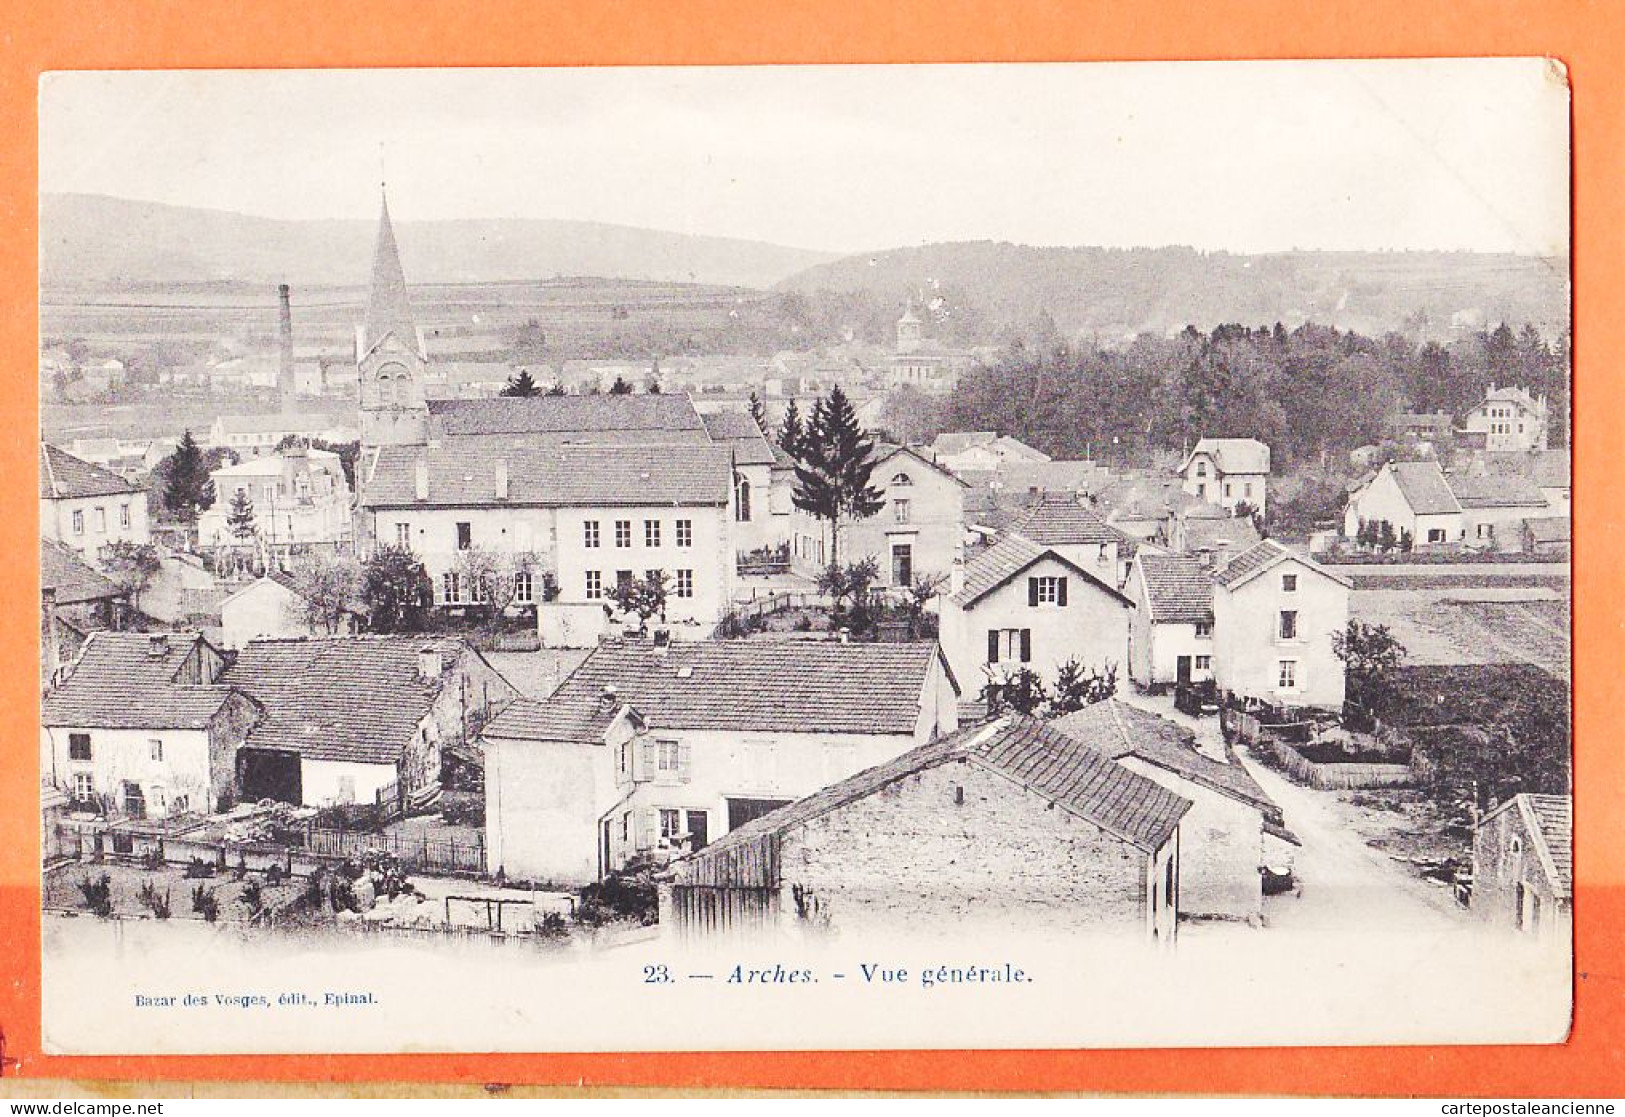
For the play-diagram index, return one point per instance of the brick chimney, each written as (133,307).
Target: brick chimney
(158,645)
(285,382)
(422,480)
(429,663)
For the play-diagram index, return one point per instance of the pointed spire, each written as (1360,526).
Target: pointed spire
(388,308)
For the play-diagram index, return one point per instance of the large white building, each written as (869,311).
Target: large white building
(1228,472)
(1510,419)
(85,507)
(298,496)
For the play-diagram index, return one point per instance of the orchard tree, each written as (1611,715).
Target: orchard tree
(131,567)
(1371,657)
(643,597)
(396,590)
(329,589)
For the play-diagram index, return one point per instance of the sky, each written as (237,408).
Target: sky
(1246,157)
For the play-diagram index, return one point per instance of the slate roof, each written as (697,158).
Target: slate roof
(350,698)
(1050,477)
(1257,559)
(117,683)
(72,578)
(389,310)
(1056,523)
(664,417)
(791,686)
(65,477)
(1116,729)
(1130,807)
(738,431)
(1424,488)
(462,473)
(1179,589)
(1505,491)
(1232,455)
(1511,395)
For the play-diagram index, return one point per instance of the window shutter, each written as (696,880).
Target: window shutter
(646,750)
(1061,594)
(683,772)
(648,828)
(993,645)
(1032,591)
(1026,645)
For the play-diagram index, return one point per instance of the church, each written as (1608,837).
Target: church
(572,494)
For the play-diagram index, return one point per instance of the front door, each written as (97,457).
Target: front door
(1182,667)
(699,830)
(902,564)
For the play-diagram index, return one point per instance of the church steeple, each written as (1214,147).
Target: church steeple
(389,310)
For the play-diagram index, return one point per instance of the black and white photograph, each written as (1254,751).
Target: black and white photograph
(805,557)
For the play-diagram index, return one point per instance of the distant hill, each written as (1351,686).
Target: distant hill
(88,238)
(1114,293)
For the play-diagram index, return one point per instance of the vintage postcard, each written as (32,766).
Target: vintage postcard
(778,558)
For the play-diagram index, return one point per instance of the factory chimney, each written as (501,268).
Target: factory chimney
(284,377)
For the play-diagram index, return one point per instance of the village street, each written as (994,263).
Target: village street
(1344,884)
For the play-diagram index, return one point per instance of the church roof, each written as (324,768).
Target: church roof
(389,311)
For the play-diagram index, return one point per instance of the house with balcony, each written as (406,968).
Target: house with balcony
(299,498)
(644,752)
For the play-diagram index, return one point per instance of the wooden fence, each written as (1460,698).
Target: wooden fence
(420,854)
(1334,777)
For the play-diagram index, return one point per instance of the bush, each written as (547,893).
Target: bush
(205,903)
(628,894)
(154,902)
(553,927)
(98,893)
(198,868)
(152,859)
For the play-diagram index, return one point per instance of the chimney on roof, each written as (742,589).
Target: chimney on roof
(421,487)
(606,697)
(158,645)
(284,372)
(48,639)
(502,478)
(429,664)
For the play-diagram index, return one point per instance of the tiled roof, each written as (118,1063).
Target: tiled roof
(1117,729)
(1233,455)
(65,477)
(1511,395)
(738,431)
(353,698)
(462,473)
(118,683)
(1236,533)
(1550,529)
(1506,491)
(1050,477)
(1178,587)
(1424,488)
(302,422)
(653,416)
(1055,767)
(73,580)
(885,451)
(1554,821)
(957,442)
(792,686)
(1057,523)
(1144,498)
(1263,556)
(1545,469)
(1009,557)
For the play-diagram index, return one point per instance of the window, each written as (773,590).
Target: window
(523,588)
(685,583)
(668,756)
(84,788)
(651,533)
(124,515)
(623,533)
(1009,645)
(270,492)
(902,564)
(623,579)
(589,533)
(1201,489)
(1049,590)
(451,589)
(685,533)
(1289,624)
(1485,531)
(1435,535)
(625,763)
(902,479)
(78,746)
(595,585)
(671,825)
(1201,469)
(742,501)
(626,827)
(78,522)
(1289,583)
(1229,489)
(1204,663)
(403,535)
(465,536)
(1204,630)
(1247,490)
(155,748)
(181,804)
(900,511)
(1287,675)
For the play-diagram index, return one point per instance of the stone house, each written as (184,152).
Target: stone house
(1414,497)
(1274,614)
(643,752)
(1171,630)
(1233,826)
(85,507)
(1228,471)
(946,835)
(143,726)
(1523,867)
(349,717)
(1024,604)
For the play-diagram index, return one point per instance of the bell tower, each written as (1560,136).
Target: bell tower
(390,354)
(910,335)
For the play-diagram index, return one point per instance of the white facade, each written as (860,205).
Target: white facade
(171,768)
(1381,499)
(1273,634)
(1509,419)
(299,498)
(1206,480)
(267,608)
(87,524)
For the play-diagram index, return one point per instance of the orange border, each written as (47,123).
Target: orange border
(124,34)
